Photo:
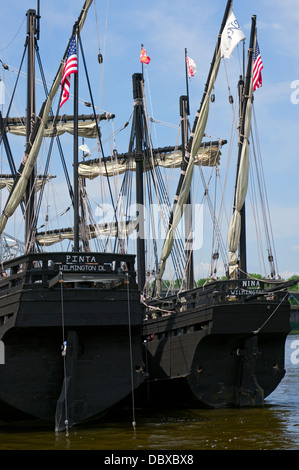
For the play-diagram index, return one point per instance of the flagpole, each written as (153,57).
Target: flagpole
(187,84)
(245,97)
(142,62)
(76,160)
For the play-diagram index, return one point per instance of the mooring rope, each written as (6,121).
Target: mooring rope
(131,358)
(270,316)
(63,353)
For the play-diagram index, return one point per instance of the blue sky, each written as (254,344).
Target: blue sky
(166,28)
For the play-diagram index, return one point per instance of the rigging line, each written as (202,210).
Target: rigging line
(148,132)
(264,186)
(64,352)
(150,98)
(38,81)
(125,197)
(62,205)
(254,206)
(37,212)
(96,241)
(231,100)
(213,251)
(263,217)
(64,166)
(215,221)
(14,90)
(153,171)
(168,124)
(255,332)
(41,193)
(6,47)
(99,136)
(178,244)
(101,61)
(154,235)
(234,128)
(258,170)
(131,354)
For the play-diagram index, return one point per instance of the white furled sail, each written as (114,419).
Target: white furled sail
(234,231)
(209,156)
(85,129)
(9,182)
(94,231)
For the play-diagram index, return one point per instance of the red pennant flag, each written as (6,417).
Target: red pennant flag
(144,58)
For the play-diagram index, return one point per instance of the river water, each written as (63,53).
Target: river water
(273,427)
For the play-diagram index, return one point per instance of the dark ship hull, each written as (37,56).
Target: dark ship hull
(219,346)
(90,301)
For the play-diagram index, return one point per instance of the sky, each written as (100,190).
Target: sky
(166,28)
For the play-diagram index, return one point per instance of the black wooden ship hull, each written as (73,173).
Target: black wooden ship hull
(218,346)
(71,335)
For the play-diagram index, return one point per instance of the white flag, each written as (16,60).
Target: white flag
(85,148)
(231,36)
(191,66)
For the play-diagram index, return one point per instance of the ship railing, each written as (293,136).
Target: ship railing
(43,268)
(216,292)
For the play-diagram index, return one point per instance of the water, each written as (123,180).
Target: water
(274,427)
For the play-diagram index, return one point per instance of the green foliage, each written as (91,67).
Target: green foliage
(294,288)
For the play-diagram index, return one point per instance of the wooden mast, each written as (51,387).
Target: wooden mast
(184,112)
(31,116)
(75,150)
(139,157)
(244,95)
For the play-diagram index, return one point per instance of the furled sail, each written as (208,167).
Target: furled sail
(29,160)
(94,231)
(8,182)
(87,125)
(234,231)
(85,129)
(209,156)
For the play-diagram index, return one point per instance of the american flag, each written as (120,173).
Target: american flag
(70,66)
(257,68)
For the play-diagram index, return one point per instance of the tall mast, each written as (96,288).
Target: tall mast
(184,111)
(76,159)
(31,110)
(244,92)
(138,131)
